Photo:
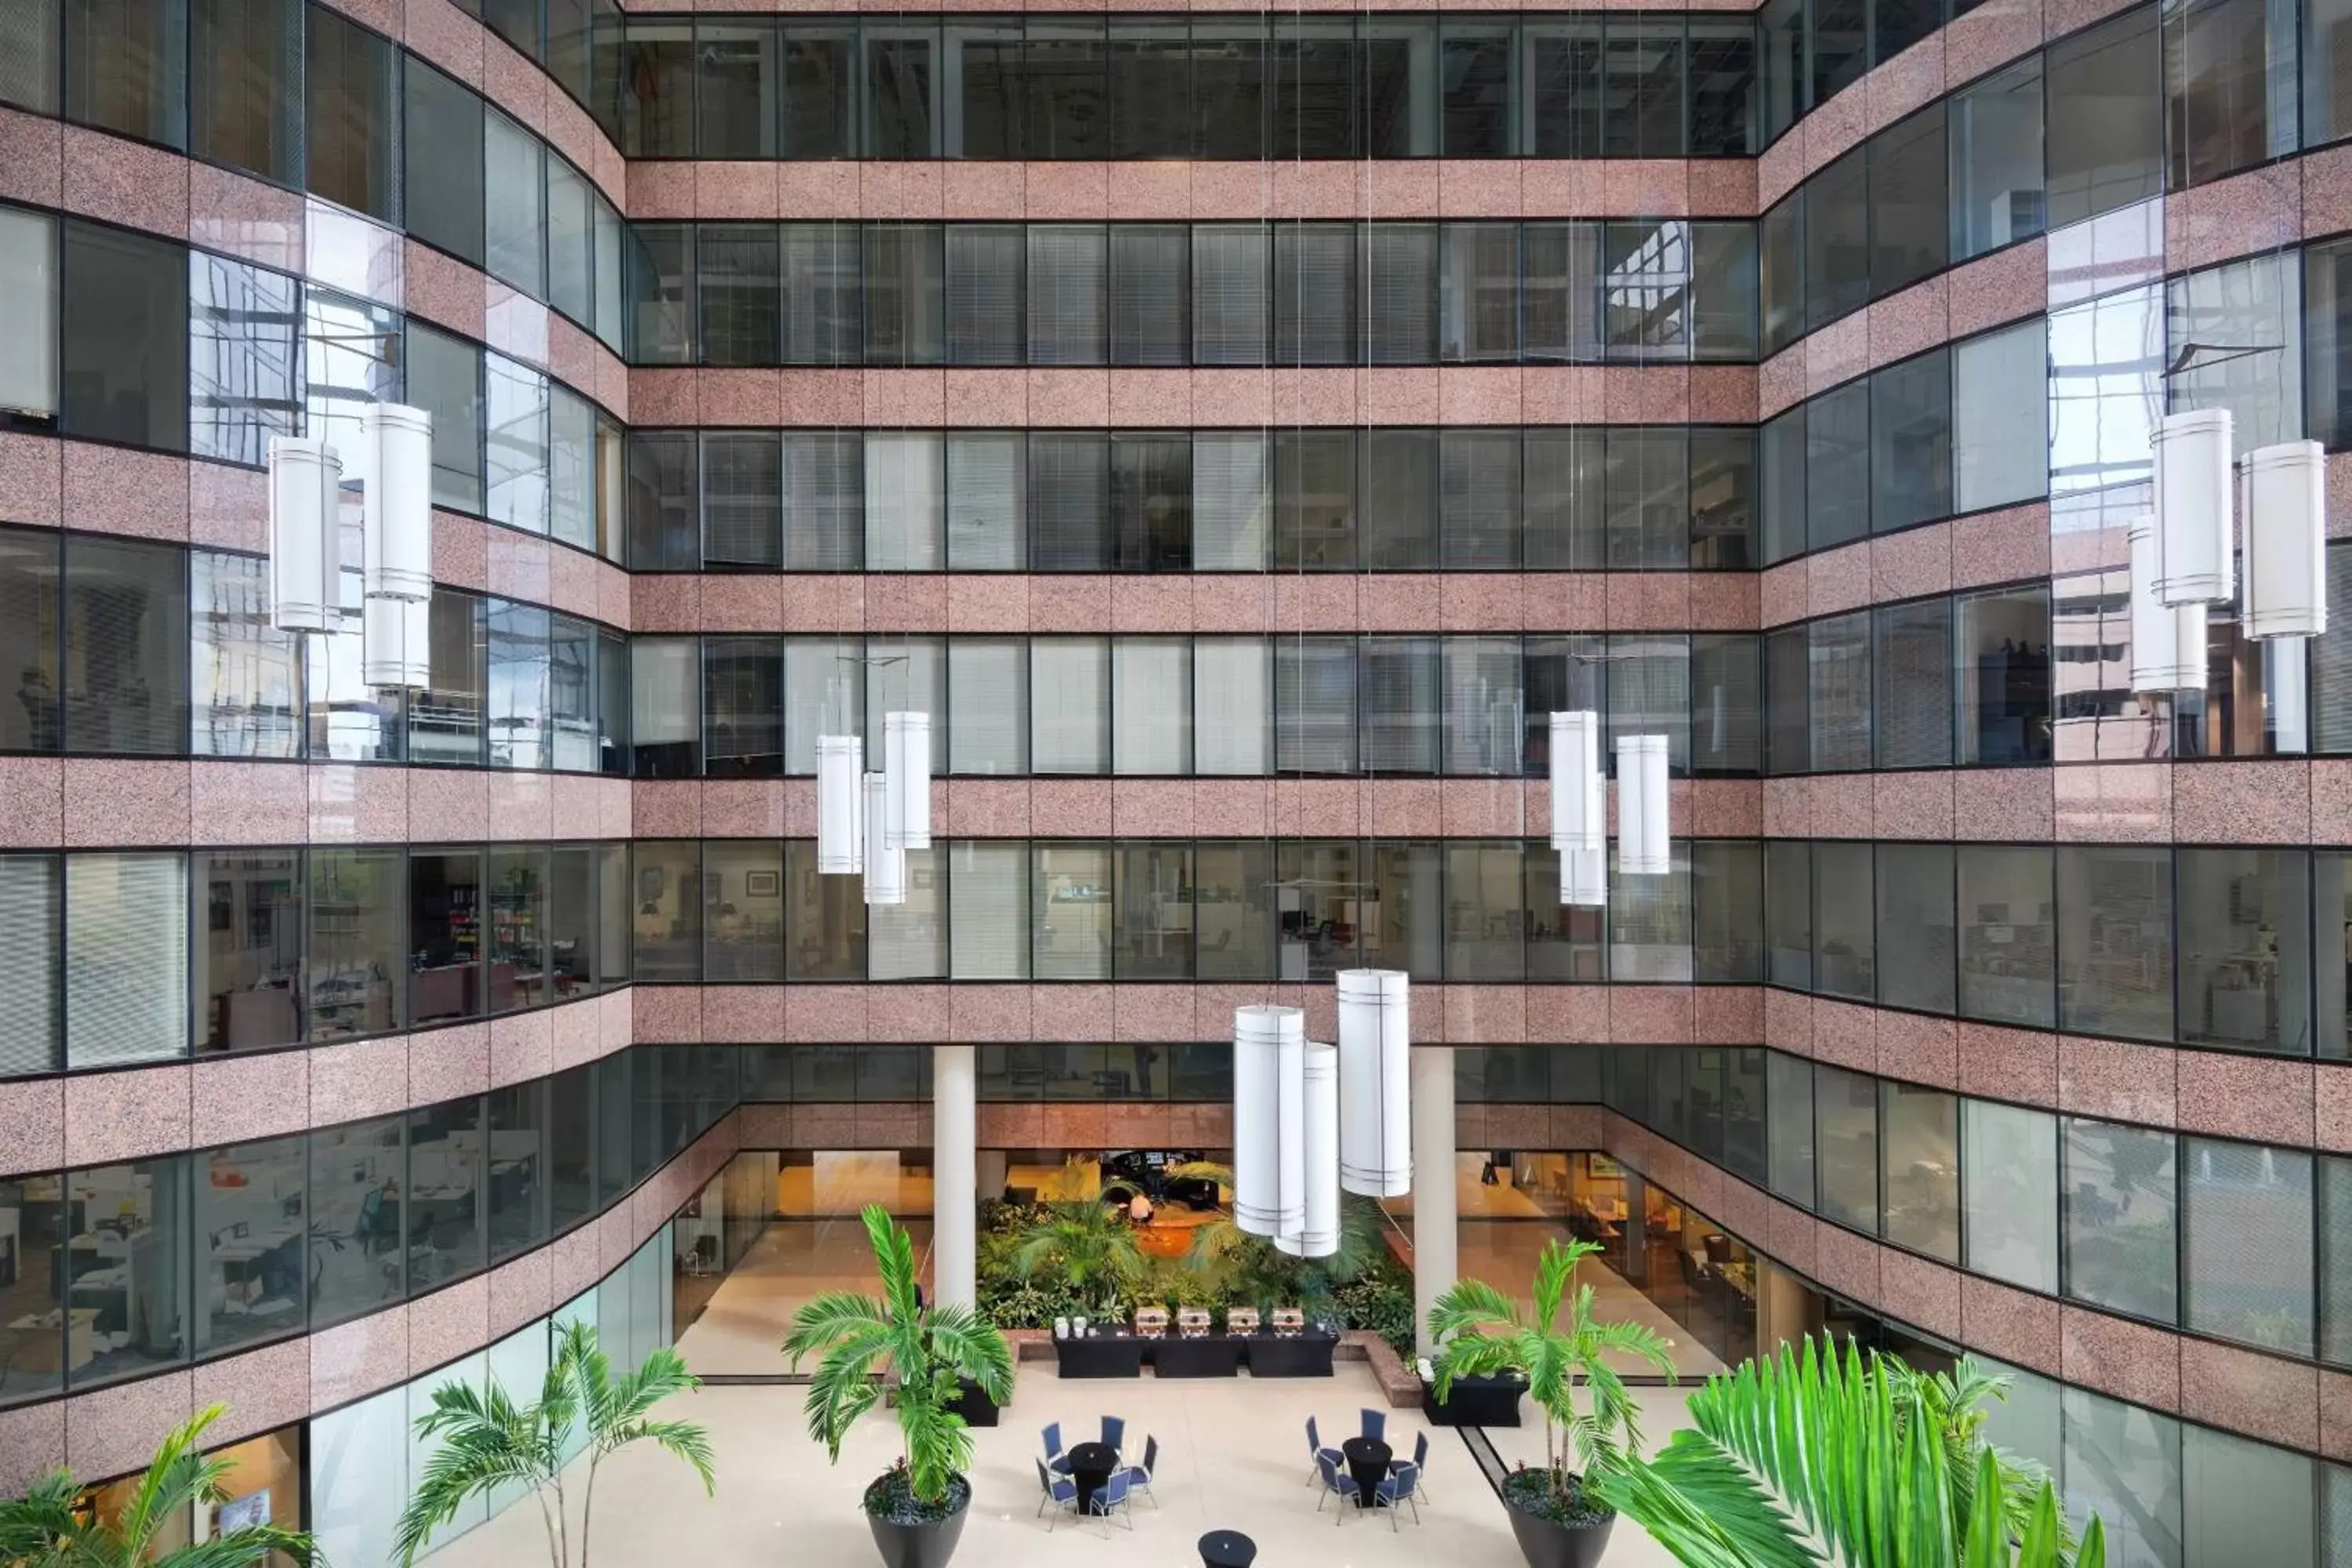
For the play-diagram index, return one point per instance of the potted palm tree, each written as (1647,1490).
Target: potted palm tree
(48,1528)
(1559,1520)
(916,1509)
(1882,1463)
(487,1442)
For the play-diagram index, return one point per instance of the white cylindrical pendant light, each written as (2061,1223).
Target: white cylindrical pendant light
(1318,1233)
(1642,850)
(396,647)
(840,801)
(1579,808)
(1584,877)
(399,534)
(907,764)
(2195,564)
(1375,1082)
(2282,495)
(2167,644)
(305,573)
(1259,1037)
(886,868)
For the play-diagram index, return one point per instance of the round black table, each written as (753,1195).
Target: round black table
(1090,1465)
(1227,1548)
(1367,1461)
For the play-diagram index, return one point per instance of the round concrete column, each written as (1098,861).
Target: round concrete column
(955,1176)
(1433,1205)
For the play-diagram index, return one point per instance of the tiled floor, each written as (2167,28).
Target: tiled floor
(1231,1456)
(793,1262)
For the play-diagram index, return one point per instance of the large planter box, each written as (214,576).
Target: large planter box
(974,1405)
(1476,1402)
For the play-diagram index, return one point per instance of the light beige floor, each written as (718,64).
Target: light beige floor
(1232,1457)
(792,1263)
(1505,1252)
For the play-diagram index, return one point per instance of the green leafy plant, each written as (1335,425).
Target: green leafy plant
(46,1528)
(1088,1246)
(1381,1303)
(1252,1271)
(487,1442)
(930,1350)
(1482,1332)
(1887,1466)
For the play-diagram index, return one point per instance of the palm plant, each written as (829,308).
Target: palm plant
(1260,1273)
(490,1443)
(47,1527)
(1882,1464)
(1482,1332)
(931,1350)
(1086,1243)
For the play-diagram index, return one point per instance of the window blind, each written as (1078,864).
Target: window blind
(1649,690)
(1151,502)
(988,685)
(665,689)
(1071,887)
(1231,502)
(1069,500)
(987,501)
(984,294)
(1838,691)
(1068,263)
(126,958)
(905,263)
(742,498)
(904,479)
(1232,683)
(1400,266)
(1399,492)
(1913,670)
(1151,706)
(1314,293)
(1483,721)
(1229,293)
(1561,473)
(1070,734)
(1314,705)
(823,501)
(1478,499)
(737,284)
(824,694)
(908,942)
(28,926)
(910,673)
(1478,293)
(823,300)
(1399,687)
(1149,315)
(1726,692)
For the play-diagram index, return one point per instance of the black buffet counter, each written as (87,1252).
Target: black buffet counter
(1210,1356)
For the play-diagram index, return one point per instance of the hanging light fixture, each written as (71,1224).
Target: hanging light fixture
(2194,561)
(395,650)
(2167,643)
(907,764)
(886,868)
(1268,1069)
(305,576)
(1579,807)
(840,802)
(1641,846)
(398,551)
(2282,494)
(1318,1235)
(1375,1082)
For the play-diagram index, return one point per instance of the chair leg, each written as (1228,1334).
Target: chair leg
(1416,1510)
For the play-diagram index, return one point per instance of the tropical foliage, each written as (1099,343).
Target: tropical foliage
(1883,1466)
(1482,1332)
(48,1528)
(1085,1244)
(930,1350)
(489,1443)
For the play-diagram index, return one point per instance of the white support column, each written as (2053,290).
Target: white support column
(955,1176)
(1433,1205)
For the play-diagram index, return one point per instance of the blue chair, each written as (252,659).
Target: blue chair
(1112,1497)
(1397,1487)
(1316,1451)
(1114,1428)
(1336,1482)
(1376,1425)
(1140,1476)
(1055,1461)
(1058,1491)
(1418,1465)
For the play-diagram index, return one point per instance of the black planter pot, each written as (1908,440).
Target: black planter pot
(1547,1544)
(1475,1402)
(973,1404)
(926,1545)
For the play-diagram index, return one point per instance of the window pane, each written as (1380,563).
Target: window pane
(1564,475)
(2115,941)
(1648,498)
(141,1312)
(1650,923)
(1151,502)
(1148,294)
(1995,132)
(1727,911)
(1922,1169)
(126,648)
(1154,921)
(2002,695)
(824,694)
(351,80)
(1837,240)
(1911,442)
(515,212)
(2248,1261)
(28,277)
(2336,1264)
(2105,119)
(1229,294)
(2010,1166)
(2245,928)
(1789,912)
(1314,293)
(247,959)
(660,286)
(1068,277)
(984,294)
(1398,683)
(2227,106)
(1845,1119)
(1234,919)
(988,730)
(823,321)
(442,1199)
(446,169)
(244,367)
(742,498)
(1071,905)
(904,505)
(987,501)
(1398,506)
(2007,957)
(1071,735)
(1909,228)
(245,671)
(516,443)
(29,922)
(126,959)
(744,707)
(1234,689)
(1485,926)
(2000,417)
(988,918)
(358,941)
(2122,1238)
(124,67)
(445,722)
(445,379)
(1837,466)
(518,955)
(1838,692)
(1152,688)
(1917,943)
(819,90)
(1231,497)
(125,335)
(825,525)
(445,933)
(1845,959)
(1789,1105)
(1912,664)
(244,61)
(1315,499)
(743,937)
(737,283)
(905,304)
(1069,498)
(1400,285)
(735,83)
